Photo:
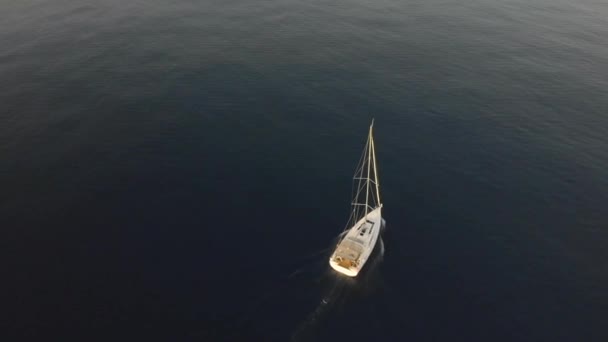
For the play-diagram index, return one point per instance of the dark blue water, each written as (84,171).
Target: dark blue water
(177,170)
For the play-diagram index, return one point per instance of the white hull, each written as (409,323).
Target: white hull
(353,251)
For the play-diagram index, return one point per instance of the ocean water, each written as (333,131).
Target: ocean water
(179,170)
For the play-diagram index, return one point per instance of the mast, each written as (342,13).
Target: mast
(376,180)
(369,157)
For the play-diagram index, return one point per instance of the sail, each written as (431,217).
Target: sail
(366,186)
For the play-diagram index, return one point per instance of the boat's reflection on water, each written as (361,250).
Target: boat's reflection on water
(339,291)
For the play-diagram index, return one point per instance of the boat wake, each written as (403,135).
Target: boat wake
(339,291)
(312,284)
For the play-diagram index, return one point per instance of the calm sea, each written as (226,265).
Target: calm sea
(179,170)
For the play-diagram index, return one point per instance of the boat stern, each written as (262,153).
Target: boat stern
(346,267)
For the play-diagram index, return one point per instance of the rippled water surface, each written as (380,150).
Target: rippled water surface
(179,170)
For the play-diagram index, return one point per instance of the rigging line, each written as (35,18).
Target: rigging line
(358,192)
(354,193)
(363,204)
(370,180)
(359,171)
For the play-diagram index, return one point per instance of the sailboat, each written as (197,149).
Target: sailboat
(361,234)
